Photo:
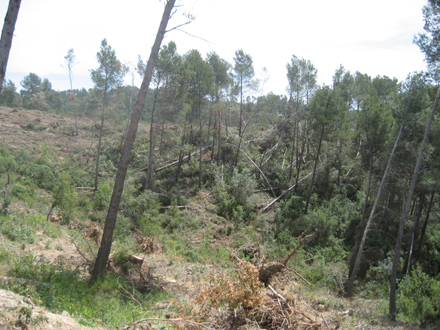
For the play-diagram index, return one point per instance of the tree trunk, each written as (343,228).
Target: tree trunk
(406,210)
(6,38)
(293,150)
(99,150)
(299,155)
(151,151)
(240,119)
(219,136)
(425,224)
(314,170)
(361,223)
(110,221)
(200,144)
(179,164)
(357,263)
(416,221)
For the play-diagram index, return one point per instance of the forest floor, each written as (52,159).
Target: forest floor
(31,129)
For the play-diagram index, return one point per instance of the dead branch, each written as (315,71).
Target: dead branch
(276,294)
(325,321)
(179,207)
(302,239)
(266,272)
(88,261)
(283,194)
(301,277)
(174,162)
(85,188)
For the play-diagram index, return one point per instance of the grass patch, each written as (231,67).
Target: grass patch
(109,302)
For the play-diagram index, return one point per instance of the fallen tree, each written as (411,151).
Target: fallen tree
(267,271)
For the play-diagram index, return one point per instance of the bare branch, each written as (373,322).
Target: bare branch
(178,27)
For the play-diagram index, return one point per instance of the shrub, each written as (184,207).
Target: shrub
(103,195)
(65,196)
(17,229)
(233,195)
(7,161)
(418,296)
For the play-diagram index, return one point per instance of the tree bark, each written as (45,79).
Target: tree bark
(99,150)
(6,38)
(350,282)
(147,184)
(314,170)
(110,221)
(416,221)
(425,224)
(405,211)
(361,223)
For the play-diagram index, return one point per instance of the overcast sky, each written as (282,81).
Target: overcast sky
(373,37)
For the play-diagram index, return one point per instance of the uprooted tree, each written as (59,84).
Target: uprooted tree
(267,270)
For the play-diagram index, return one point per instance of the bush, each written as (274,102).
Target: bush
(233,195)
(17,228)
(418,296)
(103,195)
(65,196)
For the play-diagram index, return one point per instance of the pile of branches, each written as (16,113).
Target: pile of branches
(245,299)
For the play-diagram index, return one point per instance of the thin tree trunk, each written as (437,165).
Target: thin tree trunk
(357,263)
(6,38)
(425,224)
(299,155)
(151,151)
(200,144)
(219,136)
(110,222)
(314,170)
(417,216)
(361,222)
(99,150)
(406,210)
(240,122)
(283,194)
(179,165)
(293,149)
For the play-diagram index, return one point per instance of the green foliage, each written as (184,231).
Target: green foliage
(104,303)
(9,95)
(418,296)
(18,228)
(7,159)
(332,220)
(101,200)
(35,268)
(65,196)
(111,71)
(233,195)
(429,41)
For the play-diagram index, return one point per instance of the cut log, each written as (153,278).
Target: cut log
(136,260)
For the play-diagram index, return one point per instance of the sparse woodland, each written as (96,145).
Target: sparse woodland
(239,210)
